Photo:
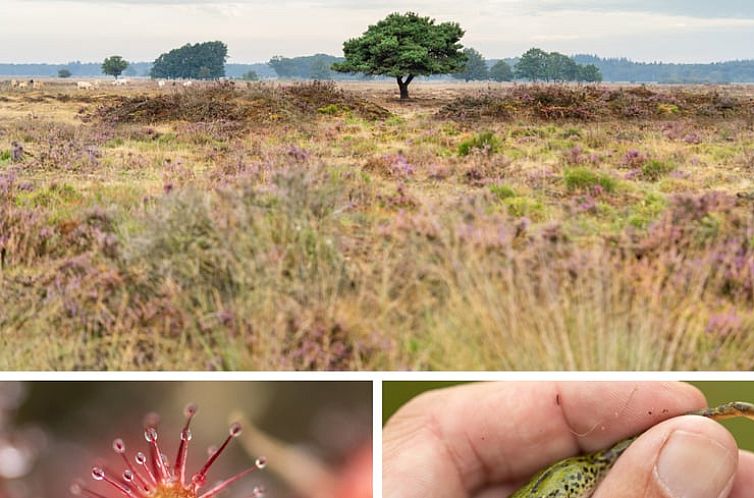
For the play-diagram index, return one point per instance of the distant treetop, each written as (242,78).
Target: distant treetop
(538,65)
(114,66)
(198,61)
(475,68)
(501,71)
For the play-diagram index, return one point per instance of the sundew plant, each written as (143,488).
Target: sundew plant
(154,475)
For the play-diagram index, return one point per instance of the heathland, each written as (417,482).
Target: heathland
(321,226)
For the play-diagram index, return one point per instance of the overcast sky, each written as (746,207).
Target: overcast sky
(58,31)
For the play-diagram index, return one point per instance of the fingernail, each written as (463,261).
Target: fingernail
(695,466)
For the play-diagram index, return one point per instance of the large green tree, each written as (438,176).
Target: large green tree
(475,68)
(198,61)
(533,65)
(405,46)
(501,71)
(114,66)
(561,67)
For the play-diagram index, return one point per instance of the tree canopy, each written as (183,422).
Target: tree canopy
(475,68)
(198,61)
(538,65)
(114,66)
(405,46)
(316,67)
(501,71)
(533,65)
(589,73)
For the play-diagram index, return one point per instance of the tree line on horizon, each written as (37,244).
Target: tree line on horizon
(404,47)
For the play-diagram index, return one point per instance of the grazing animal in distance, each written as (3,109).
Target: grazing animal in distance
(13,83)
(188,83)
(37,84)
(161,83)
(23,84)
(84,85)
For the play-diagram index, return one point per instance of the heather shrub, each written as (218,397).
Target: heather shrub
(652,170)
(584,179)
(502,192)
(485,142)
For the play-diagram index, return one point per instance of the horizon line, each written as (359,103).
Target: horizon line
(724,61)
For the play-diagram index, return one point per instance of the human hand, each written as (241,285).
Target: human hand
(486,440)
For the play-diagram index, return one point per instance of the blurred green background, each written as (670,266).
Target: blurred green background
(396,394)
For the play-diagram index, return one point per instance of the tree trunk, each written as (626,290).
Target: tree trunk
(403,85)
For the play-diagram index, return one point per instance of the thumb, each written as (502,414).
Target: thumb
(685,457)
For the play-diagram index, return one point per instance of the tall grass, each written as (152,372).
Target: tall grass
(347,244)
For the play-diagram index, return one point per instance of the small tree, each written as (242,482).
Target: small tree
(475,68)
(64,73)
(501,71)
(250,75)
(589,74)
(405,46)
(114,66)
(560,67)
(533,65)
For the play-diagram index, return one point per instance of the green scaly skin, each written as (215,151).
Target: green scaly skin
(578,477)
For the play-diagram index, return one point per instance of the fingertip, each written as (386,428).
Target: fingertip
(686,457)
(744,482)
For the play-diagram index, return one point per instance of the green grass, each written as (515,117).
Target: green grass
(581,179)
(486,142)
(653,170)
(502,192)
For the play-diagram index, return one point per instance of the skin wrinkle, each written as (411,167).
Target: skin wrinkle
(436,430)
(486,470)
(650,475)
(434,427)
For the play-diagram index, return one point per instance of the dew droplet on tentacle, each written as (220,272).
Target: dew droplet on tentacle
(227,482)
(180,460)
(141,459)
(157,457)
(200,477)
(141,483)
(99,474)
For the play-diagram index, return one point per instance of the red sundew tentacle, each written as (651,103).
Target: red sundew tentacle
(120,448)
(151,422)
(158,462)
(201,476)
(141,459)
(99,474)
(180,459)
(260,464)
(79,489)
(128,477)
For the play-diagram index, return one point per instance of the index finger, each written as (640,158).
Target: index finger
(454,441)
